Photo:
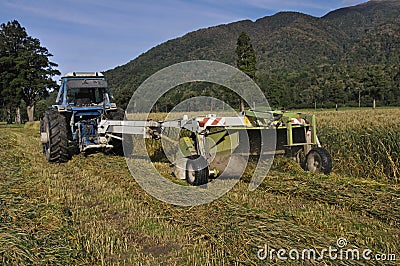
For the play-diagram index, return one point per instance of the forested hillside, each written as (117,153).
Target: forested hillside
(347,57)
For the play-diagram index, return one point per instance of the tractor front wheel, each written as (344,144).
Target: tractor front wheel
(319,161)
(197,170)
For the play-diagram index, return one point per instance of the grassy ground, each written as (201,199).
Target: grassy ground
(90,211)
(364,143)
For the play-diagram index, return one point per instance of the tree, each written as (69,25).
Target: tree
(313,94)
(12,36)
(246,59)
(25,68)
(34,74)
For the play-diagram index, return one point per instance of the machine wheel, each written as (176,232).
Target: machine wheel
(319,161)
(118,148)
(54,125)
(197,170)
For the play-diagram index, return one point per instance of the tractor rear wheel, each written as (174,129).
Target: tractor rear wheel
(319,161)
(197,170)
(54,125)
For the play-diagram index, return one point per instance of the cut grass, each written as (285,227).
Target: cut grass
(33,229)
(33,125)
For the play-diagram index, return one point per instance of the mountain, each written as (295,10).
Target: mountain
(349,54)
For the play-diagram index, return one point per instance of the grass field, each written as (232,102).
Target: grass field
(90,210)
(364,143)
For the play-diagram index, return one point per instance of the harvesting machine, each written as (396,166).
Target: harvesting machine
(84,120)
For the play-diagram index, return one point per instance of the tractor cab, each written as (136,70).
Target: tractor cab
(82,90)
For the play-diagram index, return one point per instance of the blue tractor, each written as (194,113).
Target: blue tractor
(71,125)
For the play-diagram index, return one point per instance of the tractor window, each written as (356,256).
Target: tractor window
(60,97)
(98,95)
(84,92)
(85,96)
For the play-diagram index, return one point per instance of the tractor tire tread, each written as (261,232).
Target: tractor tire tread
(58,137)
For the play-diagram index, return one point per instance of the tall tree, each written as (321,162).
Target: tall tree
(34,74)
(246,58)
(12,37)
(25,68)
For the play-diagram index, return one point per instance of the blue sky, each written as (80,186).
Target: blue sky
(97,35)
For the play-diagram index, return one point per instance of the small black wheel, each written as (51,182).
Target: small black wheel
(197,170)
(319,161)
(54,125)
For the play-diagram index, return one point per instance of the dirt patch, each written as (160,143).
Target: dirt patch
(160,249)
